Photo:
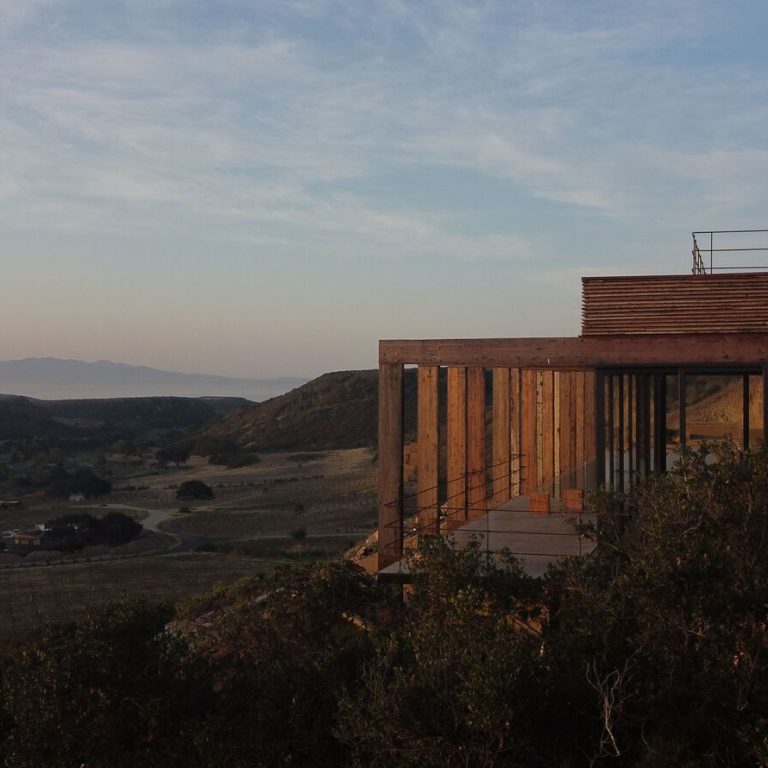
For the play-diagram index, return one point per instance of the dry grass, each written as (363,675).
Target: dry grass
(32,596)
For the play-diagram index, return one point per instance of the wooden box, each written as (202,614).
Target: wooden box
(538,503)
(573,500)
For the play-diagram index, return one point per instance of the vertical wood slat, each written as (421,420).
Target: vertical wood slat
(558,434)
(456,440)
(590,421)
(502,440)
(528,430)
(429,448)
(567,431)
(514,407)
(390,463)
(548,429)
(765,404)
(476,492)
(579,452)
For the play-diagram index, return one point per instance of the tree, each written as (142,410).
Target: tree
(194,489)
(179,454)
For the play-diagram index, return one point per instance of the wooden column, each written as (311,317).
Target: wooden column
(745,412)
(429,450)
(579,453)
(390,463)
(548,429)
(621,432)
(456,441)
(514,408)
(611,401)
(567,429)
(660,422)
(599,427)
(529,442)
(501,437)
(765,404)
(476,491)
(681,404)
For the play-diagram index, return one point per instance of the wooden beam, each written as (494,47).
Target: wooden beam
(476,490)
(429,450)
(501,437)
(514,407)
(580,451)
(599,428)
(529,441)
(682,406)
(456,442)
(660,423)
(765,404)
(567,430)
(548,429)
(695,349)
(745,412)
(390,464)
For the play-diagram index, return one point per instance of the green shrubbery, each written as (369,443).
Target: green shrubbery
(649,653)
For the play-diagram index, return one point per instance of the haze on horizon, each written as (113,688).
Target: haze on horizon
(266,189)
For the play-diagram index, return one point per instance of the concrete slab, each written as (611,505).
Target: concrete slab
(536,539)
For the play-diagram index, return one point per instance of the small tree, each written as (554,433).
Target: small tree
(194,489)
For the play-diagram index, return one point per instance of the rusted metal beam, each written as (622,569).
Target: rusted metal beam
(584,352)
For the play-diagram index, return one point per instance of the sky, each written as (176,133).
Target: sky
(265,188)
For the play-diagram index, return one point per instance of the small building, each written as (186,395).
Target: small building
(504,423)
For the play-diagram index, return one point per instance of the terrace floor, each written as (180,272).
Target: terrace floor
(536,539)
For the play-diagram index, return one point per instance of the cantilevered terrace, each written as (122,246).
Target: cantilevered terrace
(502,422)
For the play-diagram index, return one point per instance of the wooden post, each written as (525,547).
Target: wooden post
(476,491)
(548,430)
(429,450)
(682,407)
(501,437)
(579,453)
(529,436)
(660,422)
(745,412)
(599,427)
(514,407)
(567,430)
(390,463)
(456,439)
(765,404)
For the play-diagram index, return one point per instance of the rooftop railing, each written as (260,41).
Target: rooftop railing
(716,250)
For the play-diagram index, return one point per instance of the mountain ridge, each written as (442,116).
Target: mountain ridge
(52,378)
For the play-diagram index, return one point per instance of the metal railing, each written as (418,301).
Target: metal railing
(704,250)
(412,524)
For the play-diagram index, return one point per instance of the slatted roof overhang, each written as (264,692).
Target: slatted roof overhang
(690,304)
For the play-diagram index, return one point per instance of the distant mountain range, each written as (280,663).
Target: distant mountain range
(51,378)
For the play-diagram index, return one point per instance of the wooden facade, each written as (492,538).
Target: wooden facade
(499,418)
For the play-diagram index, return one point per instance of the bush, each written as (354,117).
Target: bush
(194,489)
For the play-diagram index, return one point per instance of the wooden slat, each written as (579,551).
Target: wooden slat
(590,425)
(567,430)
(456,441)
(715,349)
(675,304)
(501,437)
(547,428)
(529,435)
(579,448)
(476,490)
(514,407)
(390,464)
(429,449)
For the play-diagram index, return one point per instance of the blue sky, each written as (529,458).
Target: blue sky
(268,188)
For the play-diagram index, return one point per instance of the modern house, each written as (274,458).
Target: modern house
(504,422)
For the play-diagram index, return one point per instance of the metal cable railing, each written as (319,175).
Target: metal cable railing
(704,250)
(410,528)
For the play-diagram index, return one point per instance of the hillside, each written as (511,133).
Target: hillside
(336,410)
(101,422)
